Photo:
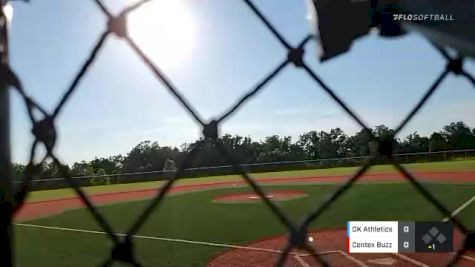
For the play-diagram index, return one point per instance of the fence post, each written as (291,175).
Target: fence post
(6,204)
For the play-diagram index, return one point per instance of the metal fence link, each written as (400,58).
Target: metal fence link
(44,133)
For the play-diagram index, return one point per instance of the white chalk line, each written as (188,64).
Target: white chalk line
(464,256)
(411,260)
(300,259)
(454,213)
(353,259)
(468,257)
(404,257)
(298,256)
(461,208)
(157,238)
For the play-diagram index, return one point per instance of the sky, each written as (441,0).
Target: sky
(213,51)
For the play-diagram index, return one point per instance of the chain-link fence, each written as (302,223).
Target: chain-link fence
(44,132)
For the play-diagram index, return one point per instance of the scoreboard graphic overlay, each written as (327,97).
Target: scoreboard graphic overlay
(399,236)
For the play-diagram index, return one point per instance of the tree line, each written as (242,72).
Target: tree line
(150,156)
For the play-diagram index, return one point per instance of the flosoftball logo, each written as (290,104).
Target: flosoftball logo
(423,17)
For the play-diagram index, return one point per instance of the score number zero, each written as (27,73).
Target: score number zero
(406,230)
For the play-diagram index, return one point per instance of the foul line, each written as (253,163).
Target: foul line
(454,213)
(411,260)
(464,256)
(353,259)
(297,256)
(302,262)
(461,208)
(156,238)
(468,257)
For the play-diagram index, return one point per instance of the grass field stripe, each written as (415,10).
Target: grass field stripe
(411,260)
(157,238)
(301,261)
(461,208)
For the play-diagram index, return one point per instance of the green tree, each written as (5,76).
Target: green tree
(276,148)
(49,170)
(110,165)
(416,143)
(459,136)
(338,138)
(148,156)
(437,142)
(18,171)
(309,143)
(358,144)
(82,168)
(382,131)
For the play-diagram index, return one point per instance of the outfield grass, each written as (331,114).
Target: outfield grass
(193,216)
(457,165)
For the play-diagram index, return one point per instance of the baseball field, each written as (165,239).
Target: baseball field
(218,221)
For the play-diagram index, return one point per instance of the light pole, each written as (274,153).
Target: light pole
(6,194)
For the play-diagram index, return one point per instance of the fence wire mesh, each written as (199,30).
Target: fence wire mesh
(44,133)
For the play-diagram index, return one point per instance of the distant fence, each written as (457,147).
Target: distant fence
(39,184)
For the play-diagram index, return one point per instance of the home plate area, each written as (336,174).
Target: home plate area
(331,245)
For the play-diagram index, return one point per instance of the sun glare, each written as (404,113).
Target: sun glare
(8,11)
(164,29)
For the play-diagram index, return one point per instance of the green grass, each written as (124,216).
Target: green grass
(193,216)
(432,166)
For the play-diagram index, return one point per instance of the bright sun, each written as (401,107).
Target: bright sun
(164,29)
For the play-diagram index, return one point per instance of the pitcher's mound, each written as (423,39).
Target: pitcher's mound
(281,195)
